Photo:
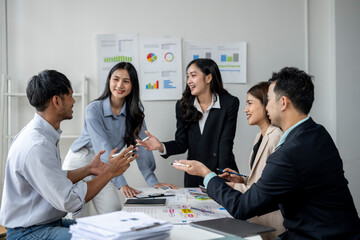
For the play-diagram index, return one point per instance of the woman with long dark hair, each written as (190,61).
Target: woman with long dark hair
(113,120)
(206,121)
(264,144)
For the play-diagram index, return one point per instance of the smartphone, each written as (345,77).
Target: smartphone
(203,189)
(164,188)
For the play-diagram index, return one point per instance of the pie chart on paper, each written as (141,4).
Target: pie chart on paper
(169,57)
(151,57)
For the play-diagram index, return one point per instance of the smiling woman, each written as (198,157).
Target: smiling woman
(112,121)
(206,121)
(264,144)
(120,87)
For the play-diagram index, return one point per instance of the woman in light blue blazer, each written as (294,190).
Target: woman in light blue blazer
(113,120)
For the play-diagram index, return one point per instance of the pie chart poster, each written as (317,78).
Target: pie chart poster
(161,73)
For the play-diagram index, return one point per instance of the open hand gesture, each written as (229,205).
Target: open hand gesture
(152,143)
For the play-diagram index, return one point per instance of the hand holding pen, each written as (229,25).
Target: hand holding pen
(231,175)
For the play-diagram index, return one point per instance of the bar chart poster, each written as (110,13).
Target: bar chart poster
(161,69)
(230,57)
(112,49)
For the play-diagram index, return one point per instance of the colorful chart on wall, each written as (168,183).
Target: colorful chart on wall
(161,69)
(230,57)
(112,49)
(151,57)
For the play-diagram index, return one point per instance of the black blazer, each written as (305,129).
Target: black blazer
(213,147)
(305,179)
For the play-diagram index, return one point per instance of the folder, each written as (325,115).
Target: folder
(232,226)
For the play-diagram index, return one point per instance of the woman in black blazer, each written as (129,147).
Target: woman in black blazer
(206,121)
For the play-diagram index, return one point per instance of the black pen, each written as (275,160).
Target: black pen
(157,195)
(239,174)
(203,210)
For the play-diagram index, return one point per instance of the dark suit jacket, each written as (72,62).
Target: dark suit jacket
(214,146)
(305,179)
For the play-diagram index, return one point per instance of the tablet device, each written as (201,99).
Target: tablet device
(232,226)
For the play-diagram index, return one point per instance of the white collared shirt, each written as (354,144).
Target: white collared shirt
(202,121)
(214,104)
(36,190)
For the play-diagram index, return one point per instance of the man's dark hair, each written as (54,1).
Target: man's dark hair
(42,87)
(296,85)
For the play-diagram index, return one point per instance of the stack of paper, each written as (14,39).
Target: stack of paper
(120,225)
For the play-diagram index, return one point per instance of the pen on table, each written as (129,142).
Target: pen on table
(179,164)
(155,196)
(202,210)
(222,170)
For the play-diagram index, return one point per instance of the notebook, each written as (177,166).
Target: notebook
(145,202)
(232,226)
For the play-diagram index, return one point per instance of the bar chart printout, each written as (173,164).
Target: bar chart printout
(168,84)
(152,86)
(112,49)
(229,56)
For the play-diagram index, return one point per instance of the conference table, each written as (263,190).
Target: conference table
(181,209)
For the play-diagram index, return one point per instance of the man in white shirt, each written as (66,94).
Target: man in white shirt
(37,193)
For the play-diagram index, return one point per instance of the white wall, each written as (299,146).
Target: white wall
(322,62)
(347,38)
(3,70)
(61,35)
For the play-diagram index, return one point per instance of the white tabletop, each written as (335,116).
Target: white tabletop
(175,206)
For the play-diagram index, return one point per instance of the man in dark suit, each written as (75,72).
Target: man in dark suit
(304,177)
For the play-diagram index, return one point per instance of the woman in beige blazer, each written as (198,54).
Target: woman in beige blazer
(264,144)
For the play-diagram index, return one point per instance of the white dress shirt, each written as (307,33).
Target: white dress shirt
(36,190)
(202,121)
(214,104)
